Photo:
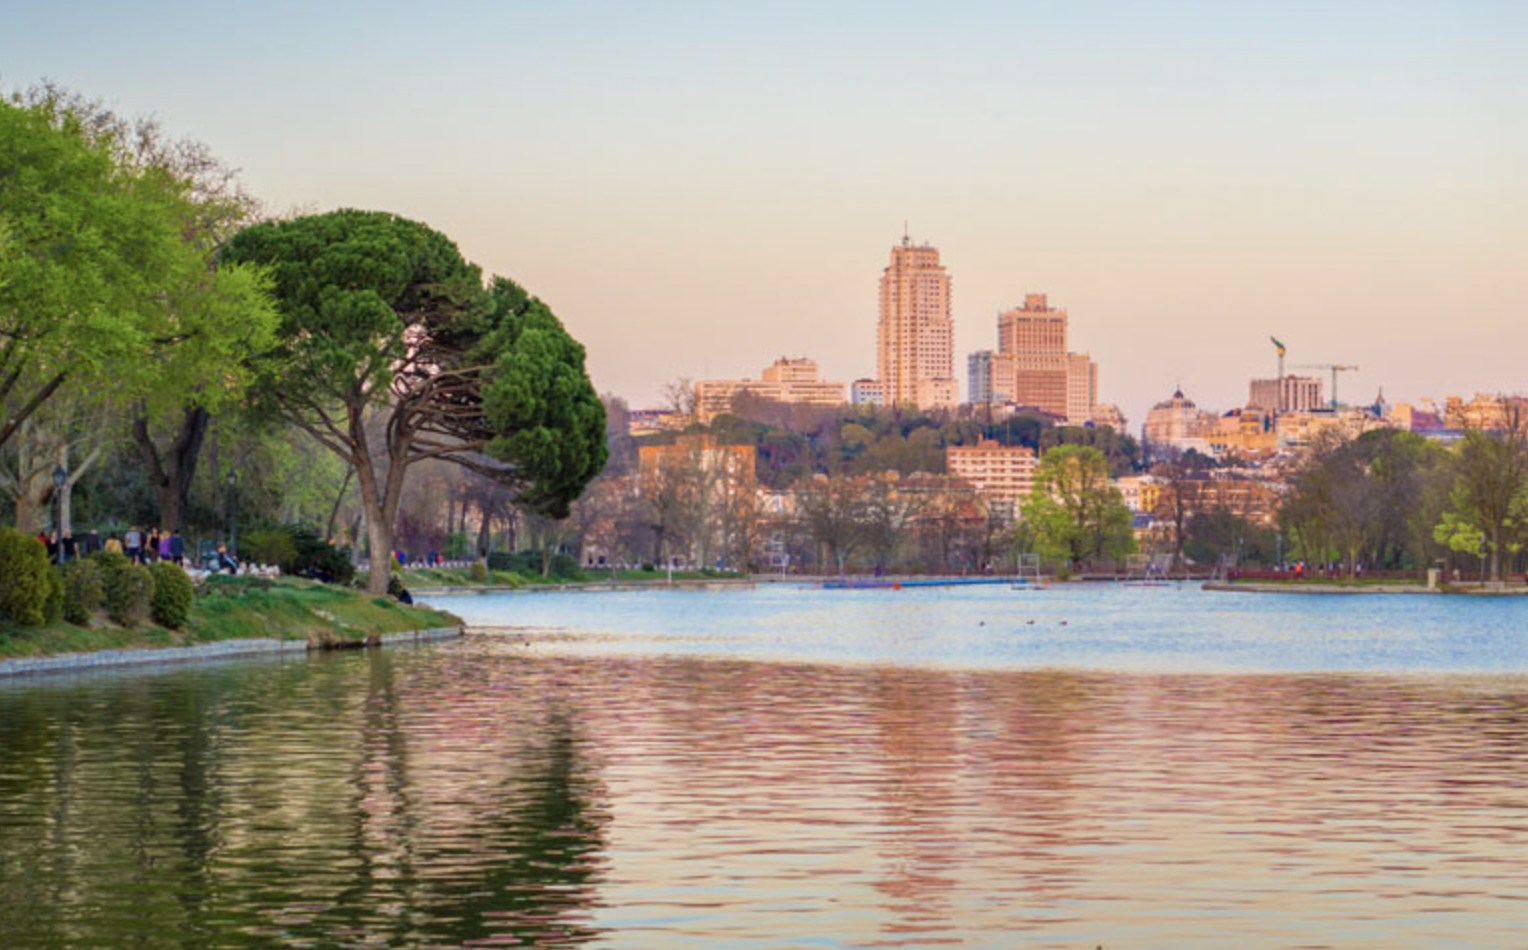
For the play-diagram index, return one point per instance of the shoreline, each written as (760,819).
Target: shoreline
(1308,587)
(204,652)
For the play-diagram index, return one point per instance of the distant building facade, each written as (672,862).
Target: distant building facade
(1289,394)
(1000,473)
(1032,366)
(786,380)
(1178,423)
(1485,411)
(915,336)
(1081,388)
(979,378)
(867,392)
(1107,414)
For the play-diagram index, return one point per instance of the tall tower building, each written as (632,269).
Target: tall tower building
(1034,337)
(915,337)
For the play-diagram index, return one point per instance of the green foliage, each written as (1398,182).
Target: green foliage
(458,546)
(129,591)
(29,585)
(170,603)
(342,279)
(269,545)
(528,564)
(319,560)
(298,550)
(84,590)
(1211,534)
(109,561)
(1489,498)
(547,422)
(378,312)
(478,572)
(107,275)
(1376,499)
(1075,514)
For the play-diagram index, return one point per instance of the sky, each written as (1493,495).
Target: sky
(699,188)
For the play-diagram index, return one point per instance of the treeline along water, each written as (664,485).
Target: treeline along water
(558,790)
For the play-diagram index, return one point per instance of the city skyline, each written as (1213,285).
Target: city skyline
(695,192)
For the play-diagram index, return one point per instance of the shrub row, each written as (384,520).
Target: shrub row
(32,593)
(528,564)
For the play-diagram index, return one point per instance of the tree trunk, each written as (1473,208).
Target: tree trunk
(31,497)
(485,531)
(334,512)
(172,472)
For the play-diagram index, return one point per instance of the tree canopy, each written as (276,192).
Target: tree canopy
(105,279)
(382,318)
(1074,514)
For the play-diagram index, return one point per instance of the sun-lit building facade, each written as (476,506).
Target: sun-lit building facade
(786,380)
(915,335)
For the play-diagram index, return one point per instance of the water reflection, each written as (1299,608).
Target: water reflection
(490,793)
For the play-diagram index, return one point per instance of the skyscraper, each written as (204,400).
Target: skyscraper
(915,337)
(1032,365)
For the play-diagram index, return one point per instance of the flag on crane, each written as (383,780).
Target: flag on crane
(1279,345)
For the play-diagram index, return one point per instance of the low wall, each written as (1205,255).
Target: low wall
(73,662)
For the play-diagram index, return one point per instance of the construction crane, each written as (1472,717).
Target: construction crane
(1335,369)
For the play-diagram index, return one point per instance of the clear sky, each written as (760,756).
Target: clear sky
(698,188)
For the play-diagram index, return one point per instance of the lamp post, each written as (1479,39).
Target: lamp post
(233,531)
(60,479)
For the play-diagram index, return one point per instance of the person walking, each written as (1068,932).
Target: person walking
(151,546)
(113,544)
(134,544)
(68,545)
(177,548)
(164,548)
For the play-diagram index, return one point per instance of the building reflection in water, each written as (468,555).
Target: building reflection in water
(487,794)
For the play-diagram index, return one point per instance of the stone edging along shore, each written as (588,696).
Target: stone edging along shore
(101,659)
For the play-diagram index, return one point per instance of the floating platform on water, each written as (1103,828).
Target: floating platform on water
(884,584)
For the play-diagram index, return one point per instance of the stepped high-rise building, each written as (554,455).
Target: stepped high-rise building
(1033,368)
(915,337)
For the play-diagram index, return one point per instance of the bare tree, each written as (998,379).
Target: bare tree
(832,513)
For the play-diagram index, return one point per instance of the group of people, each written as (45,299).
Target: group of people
(146,547)
(139,546)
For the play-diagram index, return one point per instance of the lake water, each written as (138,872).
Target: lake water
(787,767)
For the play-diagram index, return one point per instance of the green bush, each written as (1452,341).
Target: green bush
(31,592)
(54,608)
(170,604)
(129,590)
(320,560)
(298,550)
(528,564)
(109,560)
(269,545)
(478,571)
(565,566)
(458,547)
(84,590)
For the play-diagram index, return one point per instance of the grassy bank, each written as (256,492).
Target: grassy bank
(416,577)
(234,608)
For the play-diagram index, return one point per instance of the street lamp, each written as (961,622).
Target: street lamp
(60,479)
(233,532)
